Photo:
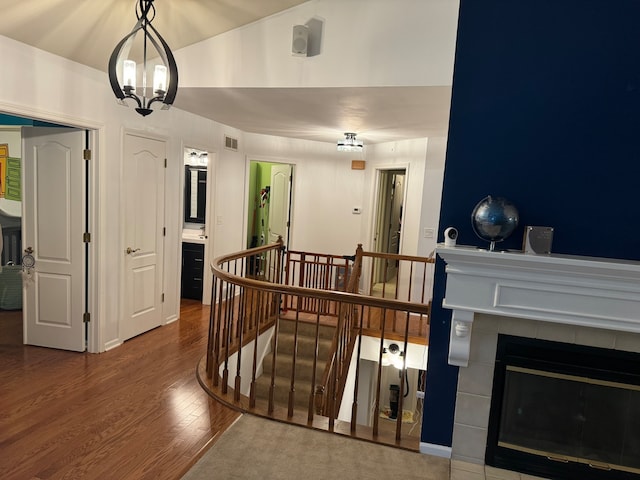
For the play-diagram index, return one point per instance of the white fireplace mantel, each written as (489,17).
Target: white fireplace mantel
(572,290)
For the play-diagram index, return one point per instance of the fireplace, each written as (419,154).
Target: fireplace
(564,411)
(572,328)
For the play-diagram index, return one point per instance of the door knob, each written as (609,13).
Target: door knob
(131,250)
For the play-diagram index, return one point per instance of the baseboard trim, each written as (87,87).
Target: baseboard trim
(112,344)
(435,450)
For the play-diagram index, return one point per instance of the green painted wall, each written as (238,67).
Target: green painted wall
(258,208)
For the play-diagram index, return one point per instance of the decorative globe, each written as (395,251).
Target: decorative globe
(494,219)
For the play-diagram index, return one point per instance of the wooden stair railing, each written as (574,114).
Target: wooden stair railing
(250,300)
(329,391)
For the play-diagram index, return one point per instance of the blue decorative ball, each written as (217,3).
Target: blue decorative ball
(494,219)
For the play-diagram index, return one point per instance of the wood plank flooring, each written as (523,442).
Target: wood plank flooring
(135,412)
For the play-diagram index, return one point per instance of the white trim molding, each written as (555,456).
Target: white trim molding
(435,450)
(571,290)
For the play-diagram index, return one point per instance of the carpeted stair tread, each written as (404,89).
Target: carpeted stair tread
(306,329)
(306,343)
(281,391)
(304,368)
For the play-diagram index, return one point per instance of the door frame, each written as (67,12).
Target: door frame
(96,305)
(122,309)
(376,190)
(210,217)
(247,188)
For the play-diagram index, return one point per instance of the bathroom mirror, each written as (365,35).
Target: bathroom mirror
(195,193)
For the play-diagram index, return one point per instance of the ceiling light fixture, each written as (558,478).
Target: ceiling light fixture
(393,356)
(122,70)
(350,143)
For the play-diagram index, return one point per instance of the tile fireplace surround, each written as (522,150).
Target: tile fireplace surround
(580,300)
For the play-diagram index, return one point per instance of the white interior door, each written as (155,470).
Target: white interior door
(144,172)
(53,229)
(395,221)
(279,204)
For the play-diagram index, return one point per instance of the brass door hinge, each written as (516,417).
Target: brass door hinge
(86,317)
(86,154)
(86,237)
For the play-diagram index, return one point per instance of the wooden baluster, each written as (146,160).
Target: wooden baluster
(242,311)
(294,355)
(376,404)
(403,385)
(219,335)
(256,299)
(228,335)
(424,283)
(272,385)
(354,405)
(211,346)
(303,274)
(314,388)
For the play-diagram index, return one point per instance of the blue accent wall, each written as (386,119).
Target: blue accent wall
(545,112)
(20,121)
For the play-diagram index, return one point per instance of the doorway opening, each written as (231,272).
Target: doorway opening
(195,281)
(387,238)
(269,203)
(51,234)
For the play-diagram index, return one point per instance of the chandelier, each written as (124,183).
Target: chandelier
(122,70)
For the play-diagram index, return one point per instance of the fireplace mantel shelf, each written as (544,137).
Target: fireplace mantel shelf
(572,290)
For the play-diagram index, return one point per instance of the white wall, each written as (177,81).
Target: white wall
(47,87)
(416,358)
(324,191)
(413,39)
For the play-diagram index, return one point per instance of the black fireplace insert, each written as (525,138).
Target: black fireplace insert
(565,411)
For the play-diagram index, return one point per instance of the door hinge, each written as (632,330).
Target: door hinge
(162,298)
(86,317)
(164,231)
(86,237)
(86,154)
(165,163)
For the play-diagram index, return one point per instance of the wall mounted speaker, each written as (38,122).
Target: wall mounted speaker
(300,40)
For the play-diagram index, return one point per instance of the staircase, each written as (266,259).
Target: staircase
(303,363)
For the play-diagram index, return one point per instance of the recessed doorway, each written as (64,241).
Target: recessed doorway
(387,238)
(269,203)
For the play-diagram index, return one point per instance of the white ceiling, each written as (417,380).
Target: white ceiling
(86,31)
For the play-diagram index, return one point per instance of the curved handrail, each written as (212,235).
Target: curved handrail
(248,299)
(333,295)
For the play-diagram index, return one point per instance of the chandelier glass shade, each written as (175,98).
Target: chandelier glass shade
(350,143)
(127,82)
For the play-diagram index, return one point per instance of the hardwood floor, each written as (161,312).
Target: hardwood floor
(135,412)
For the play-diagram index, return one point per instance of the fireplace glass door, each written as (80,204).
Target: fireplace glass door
(555,411)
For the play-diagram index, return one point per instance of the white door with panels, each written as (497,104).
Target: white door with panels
(52,237)
(279,202)
(144,179)
(279,206)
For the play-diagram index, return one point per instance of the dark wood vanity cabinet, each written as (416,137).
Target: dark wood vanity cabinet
(192,270)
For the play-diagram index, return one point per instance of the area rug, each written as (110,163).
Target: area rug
(258,448)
